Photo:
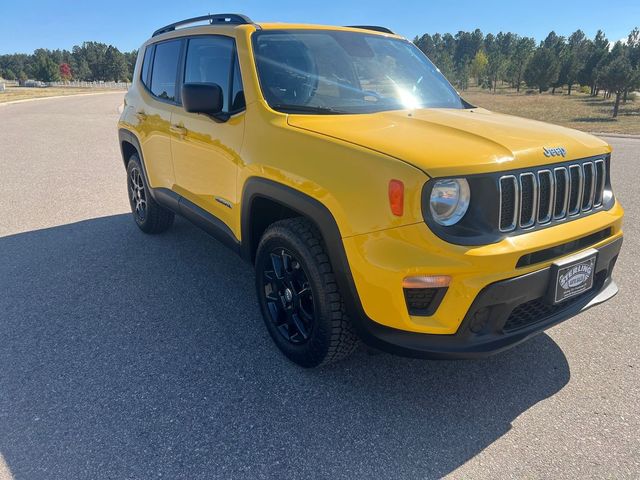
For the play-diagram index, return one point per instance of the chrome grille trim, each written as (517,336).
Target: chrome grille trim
(551,194)
(531,221)
(545,217)
(516,198)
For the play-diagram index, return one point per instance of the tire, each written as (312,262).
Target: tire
(309,332)
(148,215)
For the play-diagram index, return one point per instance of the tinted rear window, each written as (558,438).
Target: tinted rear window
(146,64)
(165,70)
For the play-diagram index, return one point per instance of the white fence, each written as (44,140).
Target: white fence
(109,85)
(38,84)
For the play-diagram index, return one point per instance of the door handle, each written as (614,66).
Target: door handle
(141,116)
(178,130)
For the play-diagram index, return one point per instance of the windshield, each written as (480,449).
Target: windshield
(333,72)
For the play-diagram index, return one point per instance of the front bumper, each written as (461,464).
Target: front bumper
(497,304)
(378,262)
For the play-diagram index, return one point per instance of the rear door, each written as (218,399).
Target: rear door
(206,152)
(160,101)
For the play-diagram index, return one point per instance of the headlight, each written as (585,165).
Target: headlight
(449,201)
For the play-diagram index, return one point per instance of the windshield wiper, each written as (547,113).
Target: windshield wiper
(286,108)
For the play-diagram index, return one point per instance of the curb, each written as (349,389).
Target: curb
(27,100)
(616,135)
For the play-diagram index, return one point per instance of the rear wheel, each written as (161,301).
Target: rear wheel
(299,297)
(149,216)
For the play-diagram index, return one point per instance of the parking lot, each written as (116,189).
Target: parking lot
(129,356)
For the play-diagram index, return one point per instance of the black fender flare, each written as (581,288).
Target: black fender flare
(162,196)
(321,216)
(301,203)
(126,136)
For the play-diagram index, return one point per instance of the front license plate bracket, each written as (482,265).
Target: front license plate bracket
(572,276)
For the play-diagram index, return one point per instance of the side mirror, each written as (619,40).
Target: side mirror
(205,98)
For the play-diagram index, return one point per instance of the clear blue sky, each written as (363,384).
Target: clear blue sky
(27,25)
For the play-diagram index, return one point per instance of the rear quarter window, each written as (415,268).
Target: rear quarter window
(165,70)
(146,65)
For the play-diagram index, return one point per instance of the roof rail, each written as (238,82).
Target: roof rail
(218,18)
(373,28)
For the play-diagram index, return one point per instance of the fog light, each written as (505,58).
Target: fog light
(431,281)
(480,320)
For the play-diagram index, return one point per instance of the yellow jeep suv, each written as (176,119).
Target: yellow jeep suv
(375,203)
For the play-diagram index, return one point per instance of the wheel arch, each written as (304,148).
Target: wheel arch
(265,201)
(256,188)
(129,144)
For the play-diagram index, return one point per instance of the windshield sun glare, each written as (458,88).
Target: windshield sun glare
(333,72)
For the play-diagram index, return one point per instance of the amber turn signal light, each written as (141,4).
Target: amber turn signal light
(432,281)
(396,197)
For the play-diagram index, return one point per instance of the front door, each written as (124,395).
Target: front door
(159,103)
(206,152)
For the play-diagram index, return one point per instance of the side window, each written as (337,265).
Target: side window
(210,60)
(146,64)
(165,70)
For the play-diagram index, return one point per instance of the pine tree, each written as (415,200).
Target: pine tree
(543,69)
(44,68)
(522,53)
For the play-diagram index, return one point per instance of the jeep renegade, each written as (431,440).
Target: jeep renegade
(375,203)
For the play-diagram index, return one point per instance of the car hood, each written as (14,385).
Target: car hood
(449,142)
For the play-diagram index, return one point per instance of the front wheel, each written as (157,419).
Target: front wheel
(299,297)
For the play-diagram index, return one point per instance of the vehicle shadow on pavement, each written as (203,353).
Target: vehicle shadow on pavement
(132,356)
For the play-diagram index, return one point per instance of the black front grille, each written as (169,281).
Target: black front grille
(589,182)
(551,193)
(546,196)
(600,181)
(539,310)
(575,186)
(527,199)
(562,180)
(508,192)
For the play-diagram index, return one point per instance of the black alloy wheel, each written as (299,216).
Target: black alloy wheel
(289,297)
(299,297)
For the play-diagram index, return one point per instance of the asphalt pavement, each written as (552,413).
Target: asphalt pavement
(126,356)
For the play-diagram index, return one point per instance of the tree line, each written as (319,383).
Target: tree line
(556,62)
(91,61)
(595,65)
